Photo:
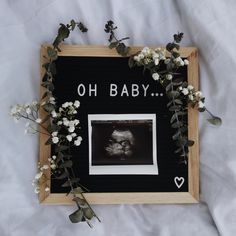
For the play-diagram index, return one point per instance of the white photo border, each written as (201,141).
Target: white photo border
(150,169)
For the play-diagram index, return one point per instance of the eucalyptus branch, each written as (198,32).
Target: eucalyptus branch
(116,43)
(62,145)
(179,92)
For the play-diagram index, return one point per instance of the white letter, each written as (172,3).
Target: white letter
(113,88)
(145,89)
(124,90)
(92,90)
(135,90)
(83,90)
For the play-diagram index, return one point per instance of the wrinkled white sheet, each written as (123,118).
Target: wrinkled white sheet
(209,25)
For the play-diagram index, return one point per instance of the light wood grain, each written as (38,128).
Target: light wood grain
(192,196)
(44,150)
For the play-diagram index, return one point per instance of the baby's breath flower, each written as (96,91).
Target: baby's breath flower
(155,76)
(190,87)
(54,114)
(201,104)
(65,105)
(198,94)
(37,190)
(54,157)
(59,122)
(156,61)
(53,166)
(185,91)
(190,96)
(77,142)
(28,110)
(52,100)
(38,120)
(54,134)
(71,129)
(73,135)
(76,103)
(169,76)
(167,61)
(35,103)
(69,138)
(66,122)
(55,140)
(47,189)
(45,167)
(38,175)
(186,62)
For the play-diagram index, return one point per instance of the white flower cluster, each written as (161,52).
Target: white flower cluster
(40,176)
(65,120)
(29,112)
(26,110)
(148,55)
(193,96)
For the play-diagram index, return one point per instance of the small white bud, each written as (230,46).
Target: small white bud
(155,76)
(76,103)
(54,134)
(37,190)
(185,91)
(38,120)
(38,175)
(71,129)
(47,189)
(186,62)
(169,76)
(55,140)
(190,87)
(69,138)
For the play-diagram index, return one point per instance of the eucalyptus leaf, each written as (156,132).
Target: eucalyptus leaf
(66,164)
(82,27)
(52,68)
(45,119)
(79,200)
(74,180)
(176,135)
(48,107)
(215,121)
(52,53)
(63,32)
(88,213)
(66,184)
(78,190)
(63,148)
(49,142)
(62,176)
(73,24)
(190,143)
(168,87)
(176,124)
(77,216)
(52,128)
(178,150)
(113,45)
(131,62)
(178,101)
(175,108)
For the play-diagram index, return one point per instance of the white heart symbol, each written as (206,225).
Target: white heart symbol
(179,181)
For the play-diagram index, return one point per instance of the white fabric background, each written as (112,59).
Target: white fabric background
(209,25)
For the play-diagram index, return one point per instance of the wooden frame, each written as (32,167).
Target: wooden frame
(192,196)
